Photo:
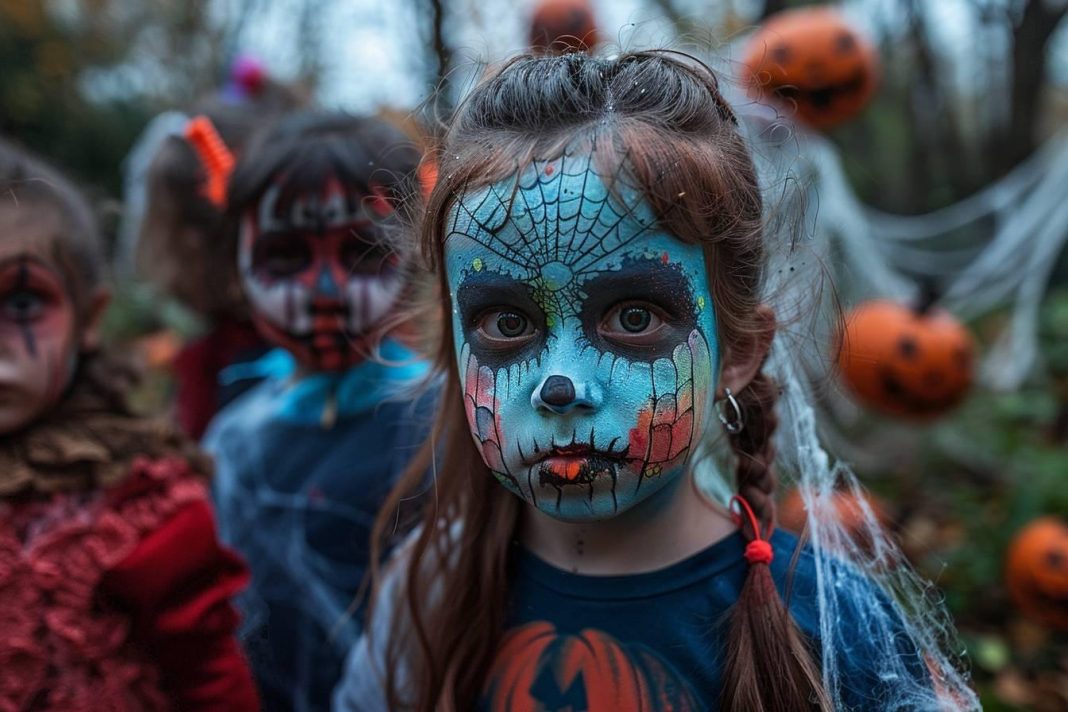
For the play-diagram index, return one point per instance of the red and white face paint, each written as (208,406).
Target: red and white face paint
(38,339)
(319,274)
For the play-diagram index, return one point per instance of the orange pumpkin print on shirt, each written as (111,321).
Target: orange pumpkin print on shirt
(539,670)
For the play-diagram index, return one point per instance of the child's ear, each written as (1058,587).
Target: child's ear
(94,318)
(743,357)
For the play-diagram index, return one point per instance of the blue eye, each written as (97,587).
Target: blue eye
(23,305)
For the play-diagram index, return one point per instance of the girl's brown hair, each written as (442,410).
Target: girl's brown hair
(659,117)
(182,247)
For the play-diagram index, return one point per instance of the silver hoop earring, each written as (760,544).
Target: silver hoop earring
(733,425)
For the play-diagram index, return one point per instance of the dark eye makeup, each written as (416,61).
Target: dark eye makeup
(641,312)
(23,305)
(281,254)
(365,255)
(501,320)
(27,289)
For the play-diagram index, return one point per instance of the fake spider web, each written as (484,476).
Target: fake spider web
(863,578)
(548,218)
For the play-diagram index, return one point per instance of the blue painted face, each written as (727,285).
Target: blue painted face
(585,335)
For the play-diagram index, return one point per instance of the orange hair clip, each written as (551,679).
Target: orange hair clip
(428,176)
(216,158)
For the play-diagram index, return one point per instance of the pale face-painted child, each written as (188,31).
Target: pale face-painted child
(586,339)
(318,273)
(40,336)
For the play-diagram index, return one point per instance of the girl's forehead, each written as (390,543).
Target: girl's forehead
(561,216)
(30,233)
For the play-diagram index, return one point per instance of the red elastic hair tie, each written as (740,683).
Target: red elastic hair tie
(214,156)
(759,550)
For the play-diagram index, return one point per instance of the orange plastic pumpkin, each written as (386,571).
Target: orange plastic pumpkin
(812,62)
(906,362)
(1036,571)
(792,514)
(561,26)
(539,669)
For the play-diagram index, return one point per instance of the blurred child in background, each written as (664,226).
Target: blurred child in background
(306,457)
(181,246)
(114,592)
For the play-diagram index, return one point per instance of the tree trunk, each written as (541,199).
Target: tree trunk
(1031,36)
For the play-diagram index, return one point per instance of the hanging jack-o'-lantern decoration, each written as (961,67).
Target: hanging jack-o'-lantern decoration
(538,668)
(561,26)
(915,363)
(1036,571)
(812,62)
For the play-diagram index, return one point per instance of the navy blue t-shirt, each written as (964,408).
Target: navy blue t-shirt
(655,641)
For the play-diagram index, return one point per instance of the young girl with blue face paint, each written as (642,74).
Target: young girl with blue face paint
(596,230)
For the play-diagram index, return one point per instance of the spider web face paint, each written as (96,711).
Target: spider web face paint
(38,346)
(585,335)
(319,273)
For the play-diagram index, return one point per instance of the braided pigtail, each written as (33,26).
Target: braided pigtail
(768,665)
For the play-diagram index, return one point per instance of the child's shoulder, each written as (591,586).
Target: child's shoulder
(857,622)
(802,578)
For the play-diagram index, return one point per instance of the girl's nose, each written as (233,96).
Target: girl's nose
(558,394)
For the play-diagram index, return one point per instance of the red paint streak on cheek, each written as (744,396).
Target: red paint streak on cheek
(639,435)
(661,449)
(681,434)
(485,390)
(470,383)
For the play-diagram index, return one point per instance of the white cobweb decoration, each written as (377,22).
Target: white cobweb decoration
(1005,243)
(863,580)
(135,169)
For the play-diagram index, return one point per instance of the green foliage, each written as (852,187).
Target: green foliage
(51,53)
(990,468)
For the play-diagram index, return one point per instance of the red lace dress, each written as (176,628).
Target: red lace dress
(114,596)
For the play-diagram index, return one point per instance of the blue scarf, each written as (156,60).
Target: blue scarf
(323,398)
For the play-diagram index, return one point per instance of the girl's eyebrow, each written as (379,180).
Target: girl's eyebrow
(23,258)
(642,274)
(486,289)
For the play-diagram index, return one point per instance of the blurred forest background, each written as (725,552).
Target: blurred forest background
(970,89)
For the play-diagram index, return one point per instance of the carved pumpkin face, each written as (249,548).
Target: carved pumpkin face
(793,516)
(561,26)
(811,61)
(1036,571)
(904,363)
(538,669)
